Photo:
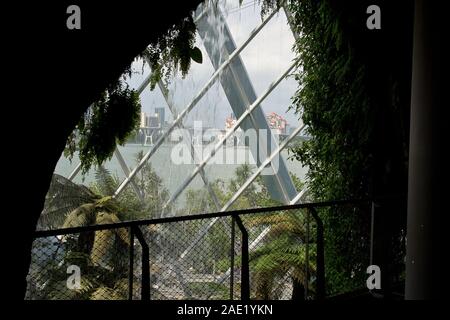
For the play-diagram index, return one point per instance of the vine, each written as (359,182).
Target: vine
(332,101)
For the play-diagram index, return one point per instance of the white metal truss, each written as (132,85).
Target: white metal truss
(126,172)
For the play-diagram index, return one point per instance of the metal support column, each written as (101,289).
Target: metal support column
(145,286)
(245,271)
(131,270)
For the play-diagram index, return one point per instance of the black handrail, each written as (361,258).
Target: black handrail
(135,231)
(128,224)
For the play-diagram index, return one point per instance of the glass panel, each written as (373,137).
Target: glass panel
(265,63)
(65,167)
(241,19)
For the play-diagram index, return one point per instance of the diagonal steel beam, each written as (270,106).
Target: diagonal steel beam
(266,162)
(126,172)
(74,173)
(290,19)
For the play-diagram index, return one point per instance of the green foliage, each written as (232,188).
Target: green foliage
(174,51)
(255,195)
(218,238)
(105,293)
(62,198)
(102,255)
(105,183)
(129,205)
(335,105)
(153,191)
(109,121)
(283,251)
(196,55)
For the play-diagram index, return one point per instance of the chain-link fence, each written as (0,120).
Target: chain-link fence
(266,253)
(87,265)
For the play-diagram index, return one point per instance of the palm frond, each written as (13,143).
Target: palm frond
(57,289)
(106,183)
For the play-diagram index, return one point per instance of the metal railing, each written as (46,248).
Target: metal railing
(159,243)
